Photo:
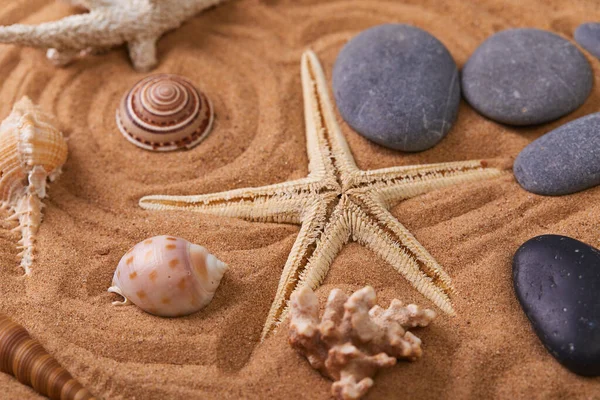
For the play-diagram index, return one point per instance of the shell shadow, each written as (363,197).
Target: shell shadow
(240,331)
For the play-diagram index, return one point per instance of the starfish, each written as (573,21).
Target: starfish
(337,202)
(139,23)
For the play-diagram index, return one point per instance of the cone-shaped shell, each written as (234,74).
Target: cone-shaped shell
(25,359)
(28,138)
(168,276)
(165,112)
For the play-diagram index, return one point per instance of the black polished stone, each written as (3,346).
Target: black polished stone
(557,282)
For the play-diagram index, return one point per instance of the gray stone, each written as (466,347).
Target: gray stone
(563,161)
(588,37)
(526,77)
(398,86)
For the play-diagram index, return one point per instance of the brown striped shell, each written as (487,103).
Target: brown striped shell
(25,359)
(165,112)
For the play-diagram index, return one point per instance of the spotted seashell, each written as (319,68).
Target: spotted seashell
(165,112)
(167,276)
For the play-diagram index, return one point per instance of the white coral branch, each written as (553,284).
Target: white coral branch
(139,23)
(355,337)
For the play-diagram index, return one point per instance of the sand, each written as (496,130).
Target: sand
(245,56)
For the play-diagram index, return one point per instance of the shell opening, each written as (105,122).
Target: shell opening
(117,290)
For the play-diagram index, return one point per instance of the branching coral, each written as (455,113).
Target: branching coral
(355,337)
(139,23)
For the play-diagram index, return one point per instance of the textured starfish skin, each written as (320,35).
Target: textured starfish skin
(335,203)
(139,23)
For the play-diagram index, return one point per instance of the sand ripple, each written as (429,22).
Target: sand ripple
(245,57)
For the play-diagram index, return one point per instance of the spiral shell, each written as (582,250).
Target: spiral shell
(26,360)
(28,138)
(32,150)
(167,276)
(165,112)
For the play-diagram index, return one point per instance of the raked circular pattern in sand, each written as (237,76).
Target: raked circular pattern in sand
(245,56)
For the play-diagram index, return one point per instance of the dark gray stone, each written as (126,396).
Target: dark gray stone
(398,86)
(588,37)
(526,77)
(564,161)
(557,282)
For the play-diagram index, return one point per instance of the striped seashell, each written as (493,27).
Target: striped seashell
(165,112)
(32,150)
(167,276)
(25,359)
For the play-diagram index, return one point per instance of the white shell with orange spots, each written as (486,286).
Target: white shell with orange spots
(167,276)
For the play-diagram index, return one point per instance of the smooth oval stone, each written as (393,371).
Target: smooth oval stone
(398,86)
(588,37)
(564,161)
(526,77)
(557,282)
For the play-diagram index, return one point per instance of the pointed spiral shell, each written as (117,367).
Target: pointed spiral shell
(165,112)
(28,139)
(167,276)
(26,360)
(32,150)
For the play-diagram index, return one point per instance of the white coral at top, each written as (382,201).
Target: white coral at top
(139,23)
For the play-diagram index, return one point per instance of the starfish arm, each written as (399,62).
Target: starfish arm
(322,129)
(380,232)
(282,202)
(304,248)
(399,183)
(382,216)
(334,237)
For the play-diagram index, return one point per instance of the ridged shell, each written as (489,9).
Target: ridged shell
(165,112)
(32,150)
(168,276)
(28,138)
(25,359)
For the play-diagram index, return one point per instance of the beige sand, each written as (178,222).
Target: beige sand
(246,55)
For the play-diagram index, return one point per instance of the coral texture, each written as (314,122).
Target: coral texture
(139,23)
(355,337)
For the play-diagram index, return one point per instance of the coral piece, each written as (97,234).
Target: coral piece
(25,359)
(167,276)
(165,112)
(355,337)
(139,23)
(32,150)
(338,202)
